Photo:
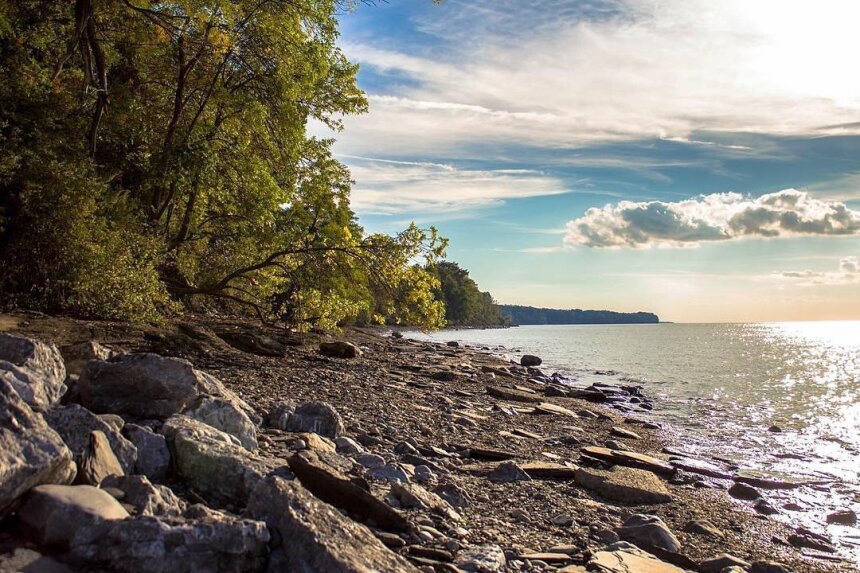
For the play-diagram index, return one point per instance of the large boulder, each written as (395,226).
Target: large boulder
(53,513)
(216,542)
(30,561)
(211,461)
(223,414)
(75,424)
(530,360)
(340,349)
(31,453)
(316,536)
(311,417)
(145,497)
(35,369)
(153,455)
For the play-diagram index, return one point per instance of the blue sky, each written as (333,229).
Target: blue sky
(699,159)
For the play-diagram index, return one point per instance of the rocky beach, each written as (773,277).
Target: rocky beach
(222,445)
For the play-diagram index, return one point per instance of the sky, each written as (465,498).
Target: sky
(699,159)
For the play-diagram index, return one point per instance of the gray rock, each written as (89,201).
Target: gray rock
(76,356)
(703,527)
(843,517)
(370,461)
(340,349)
(212,541)
(622,557)
(31,453)
(769,567)
(413,496)
(453,494)
(744,491)
(211,461)
(627,485)
(320,538)
(75,423)
(313,417)
(98,461)
(112,420)
(29,561)
(649,531)
(142,385)
(508,472)
(530,360)
(153,455)
(53,513)
(720,562)
(482,559)
(424,474)
(391,472)
(348,446)
(35,369)
(145,497)
(224,415)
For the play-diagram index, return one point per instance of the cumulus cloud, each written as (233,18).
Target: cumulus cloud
(567,74)
(848,273)
(391,187)
(715,217)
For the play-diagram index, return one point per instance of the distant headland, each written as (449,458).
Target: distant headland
(534,315)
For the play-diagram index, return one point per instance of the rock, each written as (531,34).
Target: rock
(391,472)
(211,461)
(649,531)
(530,360)
(348,446)
(211,541)
(627,485)
(482,559)
(630,459)
(453,494)
(76,356)
(843,517)
(75,424)
(317,443)
(29,561)
(413,496)
(153,455)
(53,513)
(340,349)
(513,395)
(98,461)
(332,486)
(317,537)
(764,507)
(720,562)
(808,540)
(224,415)
(311,417)
(424,474)
(624,433)
(744,491)
(146,498)
(253,343)
(700,467)
(549,470)
(769,567)
(31,453)
(453,344)
(703,527)
(625,558)
(370,461)
(34,369)
(112,420)
(143,385)
(508,472)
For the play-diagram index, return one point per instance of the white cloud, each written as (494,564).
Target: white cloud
(628,69)
(848,273)
(716,217)
(392,187)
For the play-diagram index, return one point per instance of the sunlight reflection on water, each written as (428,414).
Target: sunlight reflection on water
(728,383)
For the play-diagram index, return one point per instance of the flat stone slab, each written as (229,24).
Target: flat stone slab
(627,485)
(630,459)
(512,394)
(549,470)
(555,409)
(625,558)
(700,467)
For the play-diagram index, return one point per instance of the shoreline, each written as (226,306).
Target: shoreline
(438,400)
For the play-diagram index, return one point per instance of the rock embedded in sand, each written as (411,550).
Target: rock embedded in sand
(53,513)
(31,453)
(627,485)
(340,349)
(703,527)
(720,562)
(316,536)
(622,557)
(649,531)
(508,472)
(630,459)
(624,433)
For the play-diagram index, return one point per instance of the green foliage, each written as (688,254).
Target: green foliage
(154,148)
(465,304)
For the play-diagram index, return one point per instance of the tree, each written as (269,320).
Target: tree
(465,304)
(164,146)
